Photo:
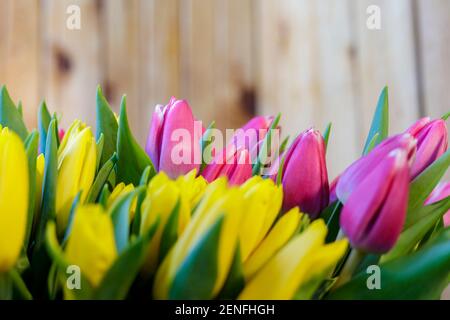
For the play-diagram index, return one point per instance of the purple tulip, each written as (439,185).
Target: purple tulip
(374,214)
(441,192)
(305,178)
(232,163)
(174,131)
(432,141)
(361,168)
(333,184)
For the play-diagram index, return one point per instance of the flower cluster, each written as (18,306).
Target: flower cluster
(93,215)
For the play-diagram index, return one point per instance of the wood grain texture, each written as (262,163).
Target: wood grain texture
(20,49)
(72,65)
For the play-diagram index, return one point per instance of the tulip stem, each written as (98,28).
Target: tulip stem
(353,261)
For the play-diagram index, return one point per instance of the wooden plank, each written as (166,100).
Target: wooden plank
(72,64)
(387,57)
(305,71)
(121,56)
(434,35)
(159,55)
(20,73)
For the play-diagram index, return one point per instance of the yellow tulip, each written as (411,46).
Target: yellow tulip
(120,190)
(13,197)
(40,166)
(281,233)
(264,199)
(295,264)
(76,169)
(91,245)
(162,196)
(219,201)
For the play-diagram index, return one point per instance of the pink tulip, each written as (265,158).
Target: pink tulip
(432,141)
(374,214)
(305,177)
(333,196)
(61,134)
(251,135)
(164,142)
(361,168)
(440,192)
(231,162)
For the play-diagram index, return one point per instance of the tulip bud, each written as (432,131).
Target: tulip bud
(441,192)
(305,177)
(432,141)
(13,197)
(169,125)
(76,170)
(374,213)
(232,163)
(91,245)
(362,167)
(121,190)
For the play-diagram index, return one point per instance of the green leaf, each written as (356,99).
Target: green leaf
(331,215)
(48,210)
(58,258)
(421,275)
(380,121)
(283,145)
(73,208)
(99,147)
(101,179)
(196,276)
(371,144)
(266,145)
(44,119)
(120,214)
(104,195)
(280,171)
(424,183)
(119,278)
(106,124)
(19,285)
(136,226)
(9,115)
(205,142)
(417,229)
(31,147)
(235,281)
(326,134)
(445,116)
(132,159)
(170,232)
(20,108)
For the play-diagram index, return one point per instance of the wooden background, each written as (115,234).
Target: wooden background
(315,61)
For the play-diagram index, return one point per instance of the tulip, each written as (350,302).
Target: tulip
(361,168)
(162,197)
(76,170)
(264,200)
(305,178)
(40,166)
(119,191)
(220,207)
(235,164)
(333,196)
(163,146)
(432,141)
(61,134)
(91,245)
(13,197)
(373,215)
(252,134)
(304,258)
(441,192)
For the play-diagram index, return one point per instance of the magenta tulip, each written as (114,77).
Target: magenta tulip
(441,192)
(232,163)
(432,141)
(174,134)
(305,177)
(361,168)
(374,214)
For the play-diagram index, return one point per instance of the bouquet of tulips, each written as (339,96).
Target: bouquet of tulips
(93,215)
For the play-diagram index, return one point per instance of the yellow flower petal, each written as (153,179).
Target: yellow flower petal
(281,233)
(13,197)
(283,274)
(91,245)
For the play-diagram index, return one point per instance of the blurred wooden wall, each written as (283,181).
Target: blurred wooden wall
(315,61)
